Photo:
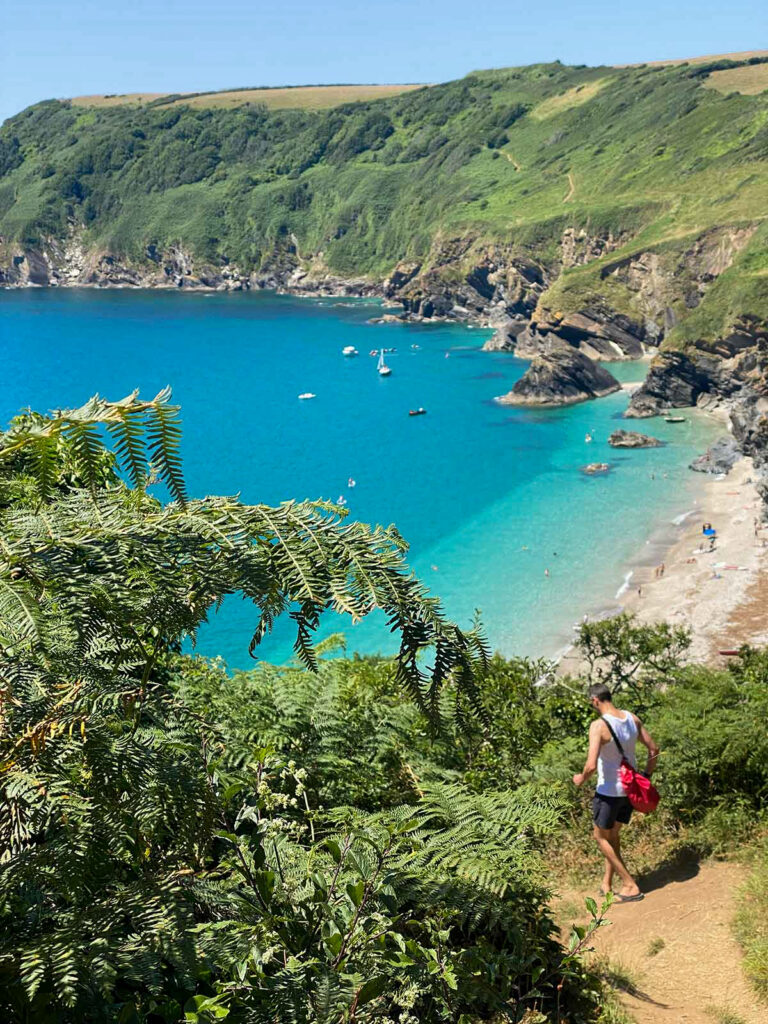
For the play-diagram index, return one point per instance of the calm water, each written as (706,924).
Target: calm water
(488,497)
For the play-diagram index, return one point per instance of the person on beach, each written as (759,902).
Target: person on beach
(610,807)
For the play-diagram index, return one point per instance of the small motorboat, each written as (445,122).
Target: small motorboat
(349,350)
(384,370)
(305,395)
(674,419)
(417,412)
(373,352)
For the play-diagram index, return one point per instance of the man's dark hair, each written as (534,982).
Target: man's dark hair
(599,690)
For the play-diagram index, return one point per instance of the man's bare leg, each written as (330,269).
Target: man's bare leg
(605,838)
(615,840)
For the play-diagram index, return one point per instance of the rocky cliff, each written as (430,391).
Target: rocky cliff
(730,374)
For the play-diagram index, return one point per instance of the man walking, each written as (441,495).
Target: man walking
(610,807)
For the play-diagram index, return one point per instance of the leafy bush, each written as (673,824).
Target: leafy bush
(158,865)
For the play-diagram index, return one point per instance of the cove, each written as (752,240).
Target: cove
(488,497)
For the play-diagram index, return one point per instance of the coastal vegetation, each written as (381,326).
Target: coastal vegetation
(496,166)
(342,839)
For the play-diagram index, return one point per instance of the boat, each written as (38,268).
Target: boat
(306,394)
(349,350)
(675,419)
(384,370)
(595,467)
(417,412)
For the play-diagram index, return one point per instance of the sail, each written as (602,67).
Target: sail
(381,359)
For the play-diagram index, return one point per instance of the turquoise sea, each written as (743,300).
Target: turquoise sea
(489,497)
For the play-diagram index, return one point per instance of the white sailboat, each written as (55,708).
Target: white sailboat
(384,370)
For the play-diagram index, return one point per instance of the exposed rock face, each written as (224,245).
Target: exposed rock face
(720,457)
(660,281)
(505,338)
(732,373)
(578,247)
(674,381)
(631,439)
(599,333)
(560,375)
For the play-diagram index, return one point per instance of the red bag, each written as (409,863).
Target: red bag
(640,791)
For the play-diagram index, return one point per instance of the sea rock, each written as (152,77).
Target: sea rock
(720,457)
(560,375)
(631,439)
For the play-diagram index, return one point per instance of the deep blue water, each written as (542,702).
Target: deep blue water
(489,497)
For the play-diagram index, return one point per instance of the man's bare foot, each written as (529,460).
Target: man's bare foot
(628,891)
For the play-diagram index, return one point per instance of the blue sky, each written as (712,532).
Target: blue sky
(54,48)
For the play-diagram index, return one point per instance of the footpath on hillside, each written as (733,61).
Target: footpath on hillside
(678,949)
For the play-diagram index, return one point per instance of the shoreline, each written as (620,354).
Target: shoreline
(719,604)
(719,595)
(713,593)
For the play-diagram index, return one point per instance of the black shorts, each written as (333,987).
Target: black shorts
(607,810)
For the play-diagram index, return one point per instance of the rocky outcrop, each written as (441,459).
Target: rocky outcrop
(466,280)
(505,338)
(577,247)
(599,332)
(730,373)
(665,281)
(719,458)
(560,375)
(631,439)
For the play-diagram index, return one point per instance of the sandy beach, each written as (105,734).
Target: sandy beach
(720,595)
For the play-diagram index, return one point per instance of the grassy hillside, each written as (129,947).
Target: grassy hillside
(651,158)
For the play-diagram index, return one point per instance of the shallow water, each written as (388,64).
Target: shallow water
(489,497)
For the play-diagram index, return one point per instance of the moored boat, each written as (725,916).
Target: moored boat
(384,370)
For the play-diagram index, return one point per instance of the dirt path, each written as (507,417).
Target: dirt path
(698,968)
(512,160)
(571,188)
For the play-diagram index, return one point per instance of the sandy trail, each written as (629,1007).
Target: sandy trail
(698,970)
(571,189)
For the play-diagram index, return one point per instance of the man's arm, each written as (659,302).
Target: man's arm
(590,767)
(653,751)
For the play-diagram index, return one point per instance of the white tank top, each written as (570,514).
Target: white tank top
(609,758)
